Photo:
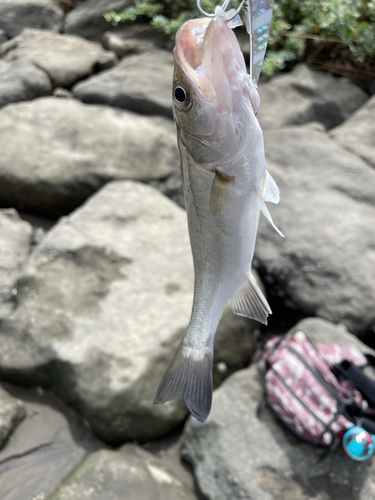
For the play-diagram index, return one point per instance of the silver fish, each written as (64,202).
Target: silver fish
(226,185)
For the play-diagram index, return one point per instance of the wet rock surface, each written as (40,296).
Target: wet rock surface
(238,455)
(22,81)
(57,152)
(15,246)
(66,59)
(357,134)
(12,411)
(102,306)
(16,15)
(140,83)
(325,262)
(129,474)
(304,95)
(45,447)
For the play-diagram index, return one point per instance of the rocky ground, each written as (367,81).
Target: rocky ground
(96,276)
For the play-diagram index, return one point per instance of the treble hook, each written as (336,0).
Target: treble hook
(224,7)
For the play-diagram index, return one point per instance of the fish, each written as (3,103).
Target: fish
(226,186)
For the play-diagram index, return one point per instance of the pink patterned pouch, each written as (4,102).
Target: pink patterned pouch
(304,393)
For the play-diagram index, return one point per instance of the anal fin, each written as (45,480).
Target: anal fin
(249,301)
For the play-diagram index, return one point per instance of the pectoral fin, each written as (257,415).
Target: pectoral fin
(219,192)
(249,301)
(265,210)
(270,190)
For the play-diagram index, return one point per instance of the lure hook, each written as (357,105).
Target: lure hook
(224,7)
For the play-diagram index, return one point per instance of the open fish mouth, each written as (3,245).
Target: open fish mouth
(208,55)
(188,51)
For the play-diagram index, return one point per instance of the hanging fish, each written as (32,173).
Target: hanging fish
(226,186)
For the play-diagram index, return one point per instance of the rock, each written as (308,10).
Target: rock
(129,474)
(141,83)
(57,152)
(16,15)
(22,81)
(234,330)
(325,263)
(3,36)
(357,134)
(12,411)
(107,61)
(15,243)
(172,186)
(66,59)
(304,95)
(46,446)
(316,126)
(102,306)
(144,33)
(63,93)
(237,455)
(125,46)
(87,19)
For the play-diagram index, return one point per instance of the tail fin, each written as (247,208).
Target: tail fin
(191,380)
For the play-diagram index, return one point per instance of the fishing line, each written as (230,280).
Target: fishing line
(224,7)
(247,5)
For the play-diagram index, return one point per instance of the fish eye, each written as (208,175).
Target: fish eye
(181,96)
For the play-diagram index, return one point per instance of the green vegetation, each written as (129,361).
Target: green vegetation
(345,29)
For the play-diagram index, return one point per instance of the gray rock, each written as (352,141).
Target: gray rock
(102,306)
(129,474)
(3,36)
(237,455)
(144,33)
(357,134)
(87,19)
(235,343)
(304,95)
(168,450)
(325,263)
(316,126)
(12,411)
(66,59)
(15,243)
(45,447)
(57,152)
(172,187)
(125,46)
(15,15)
(62,93)
(107,61)
(141,83)
(22,81)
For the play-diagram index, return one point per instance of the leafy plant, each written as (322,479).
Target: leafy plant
(346,25)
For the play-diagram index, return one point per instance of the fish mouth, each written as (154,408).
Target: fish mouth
(189,47)
(208,55)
